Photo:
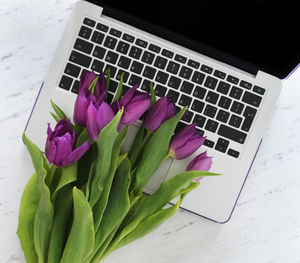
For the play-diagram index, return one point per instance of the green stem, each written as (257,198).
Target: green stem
(50,176)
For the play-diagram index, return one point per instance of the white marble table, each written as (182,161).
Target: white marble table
(265,226)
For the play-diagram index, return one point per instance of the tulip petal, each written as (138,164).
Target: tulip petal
(134,111)
(75,155)
(91,124)
(49,131)
(201,162)
(188,148)
(183,136)
(80,108)
(156,115)
(50,151)
(104,115)
(100,87)
(128,96)
(63,148)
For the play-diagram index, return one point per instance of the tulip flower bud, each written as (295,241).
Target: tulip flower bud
(201,162)
(96,95)
(161,111)
(60,144)
(185,142)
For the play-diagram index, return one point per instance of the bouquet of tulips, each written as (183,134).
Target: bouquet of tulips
(86,197)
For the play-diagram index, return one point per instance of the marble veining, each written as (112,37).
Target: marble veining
(265,226)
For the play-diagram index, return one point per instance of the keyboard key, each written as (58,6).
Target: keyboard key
(167,53)
(134,79)
(136,67)
(206,69)
(180,58)
(80,59)
(233,153)
(125,75)
(245,84)
(125,88)
(75,87)
(197,106)
(174,82)
(219,74)
(154,48)
(259,90)
(97,37)
(160,90)
(85,32)
(224,102)
(223,116)
(235,121)
(211,126)
(185,72)
(124,62)
(146,85)
(89,22)
(237,107)
(249,115)
(198,77)
(110,42)
(161,77)
(128,38)
(201,132)
(223,87)
(99,52)
(72,70)
(187,87)
(122,47)
(232,79)
(232,134)
(212,97)
(97,66)
(209,143)
(210,82)
(149,72)
(187,117)
(222,145)
(199,120)
(109,97)
(174,95)
(111,57)
(251,99)
(115,32)
(102,27)
(141,43)
(185,100)
(160,62)
(210,111)
(193,64)
(148,57)
(65,82)
(235,92)
(199,92)
(83,46)
(173,67)
(113,85)
(113,70)
(220,148)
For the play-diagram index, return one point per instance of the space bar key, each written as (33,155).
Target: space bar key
(232,134)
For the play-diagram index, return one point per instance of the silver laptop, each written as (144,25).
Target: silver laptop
(225,59)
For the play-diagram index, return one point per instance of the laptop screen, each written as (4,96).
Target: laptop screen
(263,33)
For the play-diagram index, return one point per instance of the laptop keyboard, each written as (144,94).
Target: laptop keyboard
(217,102)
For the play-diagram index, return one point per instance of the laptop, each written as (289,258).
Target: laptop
(224,59)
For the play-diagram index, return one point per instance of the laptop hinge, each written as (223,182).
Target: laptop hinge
(177,38)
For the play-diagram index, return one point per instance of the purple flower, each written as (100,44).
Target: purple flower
(98,118)
(60,144)
(186,142)
(161,111)
(86,95)
(201,162)
(135,104)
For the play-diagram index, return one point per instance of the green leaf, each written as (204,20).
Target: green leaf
(121,158)
(90,179)
(62,219)
(120,88)
(56,118)
(153,96)
(100,206)
(81,239)
(137,145)
(29,204)
(44,214)
(105,145)
(59,112)
(155,151)
(82,138)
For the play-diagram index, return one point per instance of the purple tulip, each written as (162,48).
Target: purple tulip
(201,162)
(98,118)
(161,111)
(135,104)
(87,96)
(186,142)
(60,145)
